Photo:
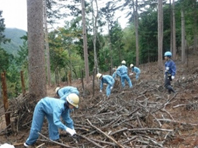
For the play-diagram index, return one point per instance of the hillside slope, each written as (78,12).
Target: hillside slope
(15,35)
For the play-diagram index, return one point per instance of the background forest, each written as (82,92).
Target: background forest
(107,42)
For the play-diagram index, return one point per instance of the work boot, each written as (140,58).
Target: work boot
(25,145)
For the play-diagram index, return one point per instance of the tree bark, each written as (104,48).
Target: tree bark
(94,20)
(47,45)
(183,52)
(85,42)
(174,32)
(160,33)
(136,33)
(36,56)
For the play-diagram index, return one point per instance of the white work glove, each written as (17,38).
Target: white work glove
(111,87)
(70,131)
(172,77)
(167,68)
(100,90)
(131,74)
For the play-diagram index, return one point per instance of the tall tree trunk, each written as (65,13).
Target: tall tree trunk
(136,33)
(36,56)
(160,33)
(94,20)
(85,42)
(195,25)
(174,32)
(110,46)
(171,26)
(47,45)
(183,52)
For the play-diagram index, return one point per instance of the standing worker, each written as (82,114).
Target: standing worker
(108,80)
(170,71)
(135,70)
(52,109)
(123,70)
(65,91)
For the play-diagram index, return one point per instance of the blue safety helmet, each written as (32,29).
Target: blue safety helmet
(168,54)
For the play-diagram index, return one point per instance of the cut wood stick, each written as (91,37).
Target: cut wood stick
(55,141)
(168,120)
(112,139)
(40,145)
(94,143)
(150,129)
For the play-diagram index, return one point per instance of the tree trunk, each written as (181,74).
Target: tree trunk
(160,33)
(47,45)
(195,25)
(174,32)
(85,42)
(110,47)
(171,26)
(36,56)
(183,52)
(136,33)
(94,20)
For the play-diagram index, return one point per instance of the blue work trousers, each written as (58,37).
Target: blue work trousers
(37,123)
(126,77)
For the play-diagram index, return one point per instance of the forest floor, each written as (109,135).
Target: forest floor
(143,116)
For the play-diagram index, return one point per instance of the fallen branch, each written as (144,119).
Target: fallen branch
(105,134)
(55,141)
(94,143)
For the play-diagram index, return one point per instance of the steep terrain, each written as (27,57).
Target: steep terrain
(144,116)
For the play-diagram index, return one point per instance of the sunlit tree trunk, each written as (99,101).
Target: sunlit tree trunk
(85,42)
(160,33)
(36,56)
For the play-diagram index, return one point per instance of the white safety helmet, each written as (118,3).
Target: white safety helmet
(131,65)
(98,75)
(73,99)
(56,90)
(123,62)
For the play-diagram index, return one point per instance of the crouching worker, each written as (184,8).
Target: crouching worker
(53,109)
(135,70)
(109,80)
(65,91)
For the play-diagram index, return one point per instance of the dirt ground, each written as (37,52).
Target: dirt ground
(144,116)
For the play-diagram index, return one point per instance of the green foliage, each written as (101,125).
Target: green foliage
(104,58)
(63,52)
(148,36)
(128,53)
(3,39)
(4,60)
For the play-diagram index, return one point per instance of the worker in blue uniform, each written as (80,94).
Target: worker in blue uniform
(65,91)
(135,70)
(123,70)
(53,109)
(116,74)
(170,71)
(109,80)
